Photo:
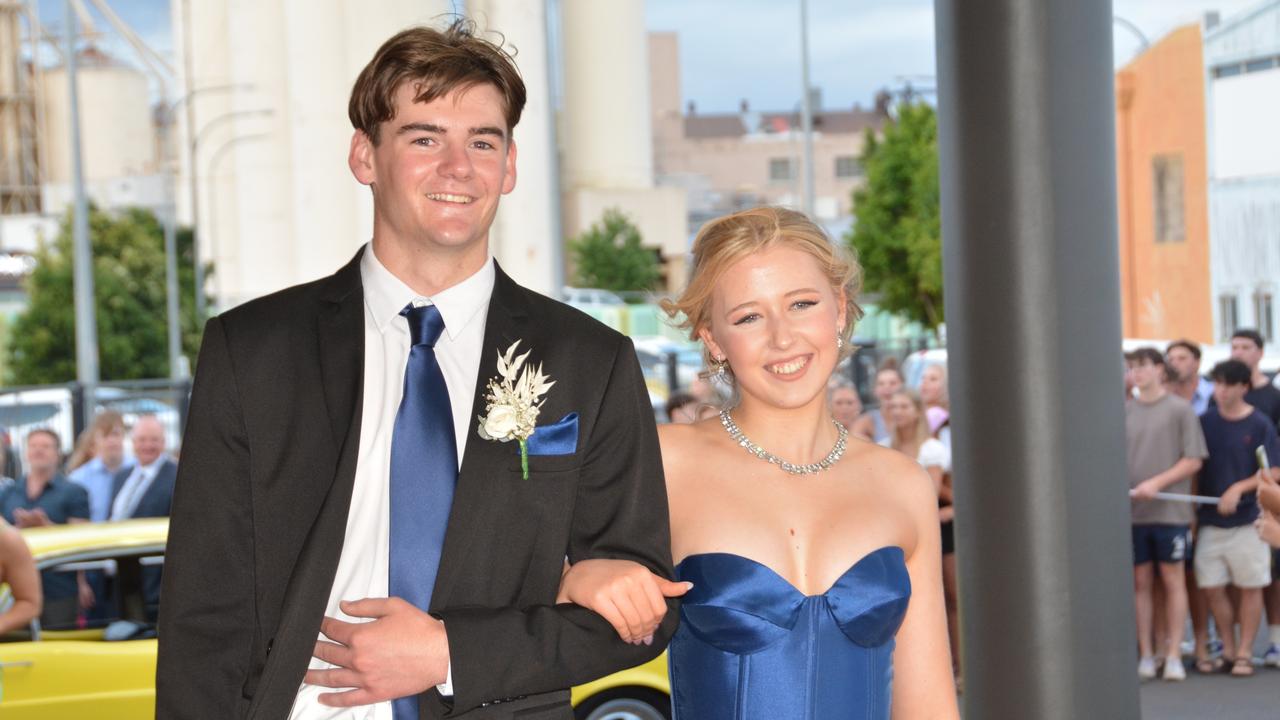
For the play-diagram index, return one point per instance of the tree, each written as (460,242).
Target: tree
(129,299)
(609,256)
(898,233)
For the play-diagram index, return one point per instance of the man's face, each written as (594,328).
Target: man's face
(1228,395)
(148,440)
(1183,364)
(1146,374)
(1244,350)
(42,453)
(110,444)
(439,168)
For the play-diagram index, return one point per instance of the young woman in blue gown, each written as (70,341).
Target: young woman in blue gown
(814,557)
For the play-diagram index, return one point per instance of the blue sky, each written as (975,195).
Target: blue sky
(750,49)
(736,49)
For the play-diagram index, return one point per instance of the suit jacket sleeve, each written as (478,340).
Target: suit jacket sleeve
(207,618)
(620,512)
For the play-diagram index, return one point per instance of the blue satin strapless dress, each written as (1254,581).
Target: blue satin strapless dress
(750,646)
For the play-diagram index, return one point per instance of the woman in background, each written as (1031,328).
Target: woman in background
(18,571)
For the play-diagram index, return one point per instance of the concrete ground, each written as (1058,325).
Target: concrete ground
(1215,697)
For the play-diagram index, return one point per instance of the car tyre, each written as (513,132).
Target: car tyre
(628,703)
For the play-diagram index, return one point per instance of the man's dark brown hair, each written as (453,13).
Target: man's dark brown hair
(1187,345)
(1146,354)
(437,62)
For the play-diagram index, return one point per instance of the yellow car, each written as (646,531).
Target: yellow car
(107,668)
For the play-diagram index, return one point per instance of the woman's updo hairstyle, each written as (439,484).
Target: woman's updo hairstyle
(723,241)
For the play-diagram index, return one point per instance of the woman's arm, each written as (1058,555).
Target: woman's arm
(922,685)
(623,592)
(18,569)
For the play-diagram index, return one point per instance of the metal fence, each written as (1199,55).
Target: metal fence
(61,408)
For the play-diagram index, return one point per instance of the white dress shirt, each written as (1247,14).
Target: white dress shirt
(363,565)
(139,482)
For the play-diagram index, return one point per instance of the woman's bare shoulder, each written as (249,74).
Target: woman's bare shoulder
(893,473)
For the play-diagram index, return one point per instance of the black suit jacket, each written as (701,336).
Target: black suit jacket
(158,498)
(265,484)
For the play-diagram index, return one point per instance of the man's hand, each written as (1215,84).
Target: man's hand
(1145,490)
(402,651)
(623,592)
(1230,501)
(84,591)
(24,518)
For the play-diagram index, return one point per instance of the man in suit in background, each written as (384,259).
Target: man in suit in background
(146,489)
(343,534)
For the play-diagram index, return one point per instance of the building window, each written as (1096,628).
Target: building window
(1262,313)
(1228,317)
(1167,176)
(847,166)
(781,170)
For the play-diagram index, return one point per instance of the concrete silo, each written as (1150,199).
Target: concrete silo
(116,131)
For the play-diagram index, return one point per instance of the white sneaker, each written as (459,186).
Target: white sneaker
(1147,668)
(1173,669)
(1272,657)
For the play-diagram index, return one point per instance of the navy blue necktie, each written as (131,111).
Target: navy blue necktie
(424,471)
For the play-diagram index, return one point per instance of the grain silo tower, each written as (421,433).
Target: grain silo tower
(117,136)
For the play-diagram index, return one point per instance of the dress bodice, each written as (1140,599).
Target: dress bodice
(750,646)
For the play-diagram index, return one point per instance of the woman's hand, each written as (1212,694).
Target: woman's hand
(1269,498)
(623,592)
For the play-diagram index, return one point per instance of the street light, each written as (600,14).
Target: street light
(1143,42)
(86,321)
(806,107)
(195,201)
(172,305)
(216,158)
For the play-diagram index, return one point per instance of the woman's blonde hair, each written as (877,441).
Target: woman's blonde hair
(723,241)
(922,433)
(945,399)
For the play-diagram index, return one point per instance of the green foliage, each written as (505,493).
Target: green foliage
(609,256)
(129,293)
(898,233)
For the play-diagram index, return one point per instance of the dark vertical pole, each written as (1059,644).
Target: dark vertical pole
(1027,139)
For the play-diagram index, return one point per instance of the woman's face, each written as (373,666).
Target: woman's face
(888,382)
(846,406)
(774,317)
(933,389)
(903,412)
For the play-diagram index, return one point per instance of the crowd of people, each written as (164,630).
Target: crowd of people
(1201,454)
(97,482)
(1205,512)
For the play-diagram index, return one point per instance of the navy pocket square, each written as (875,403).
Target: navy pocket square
(558,438)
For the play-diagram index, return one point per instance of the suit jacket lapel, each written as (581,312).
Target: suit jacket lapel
(482,461)
(341,344)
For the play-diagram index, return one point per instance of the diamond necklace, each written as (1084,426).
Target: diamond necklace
(832,457)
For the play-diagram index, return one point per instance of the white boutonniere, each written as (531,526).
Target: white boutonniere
(513,401)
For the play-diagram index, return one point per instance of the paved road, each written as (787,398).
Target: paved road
(1215,697)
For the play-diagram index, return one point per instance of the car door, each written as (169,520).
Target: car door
(105,668)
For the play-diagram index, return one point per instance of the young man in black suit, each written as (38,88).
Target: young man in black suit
(343,531)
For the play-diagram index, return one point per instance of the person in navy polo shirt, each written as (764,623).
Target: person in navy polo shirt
(45,497)
(1228,549)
